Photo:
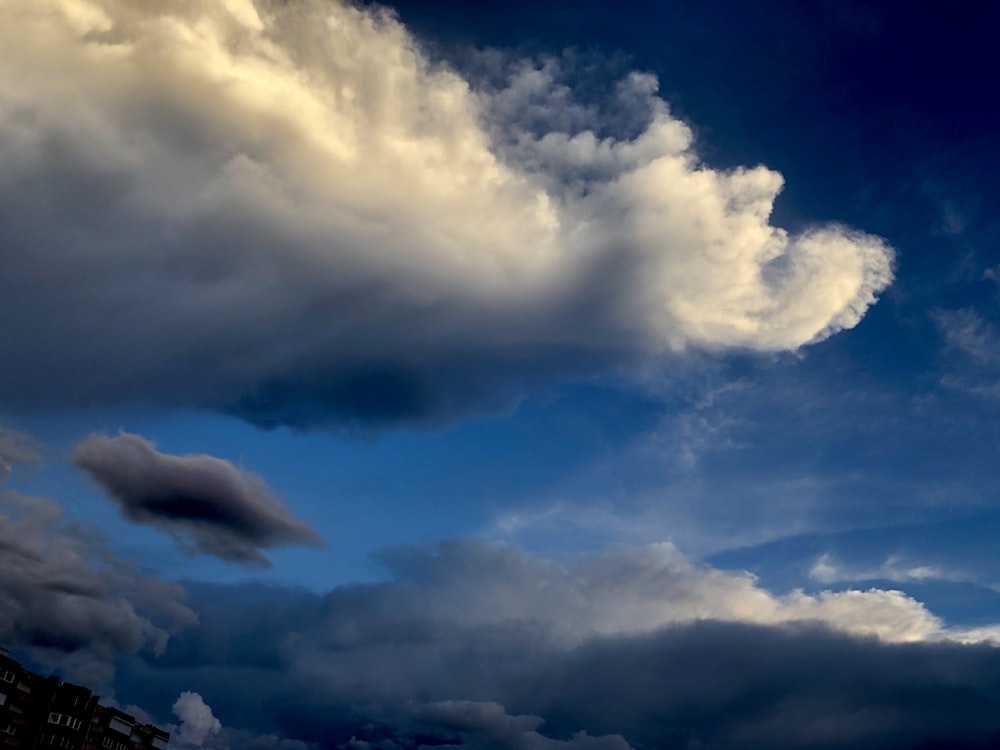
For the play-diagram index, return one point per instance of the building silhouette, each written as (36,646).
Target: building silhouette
(44,712)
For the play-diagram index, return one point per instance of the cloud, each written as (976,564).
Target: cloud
(895,568)
(70,601)
(16,449)
(626,591)
(286,212)
(484,646)
(197,720)
(199,728)
(965,331)
(971,342)
(487,725)
(206,503)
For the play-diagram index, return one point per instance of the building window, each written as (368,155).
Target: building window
(159,743)
(24,687)
(64,721)
(8,676)
(120,726)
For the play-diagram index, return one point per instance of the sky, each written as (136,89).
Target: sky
(557,376)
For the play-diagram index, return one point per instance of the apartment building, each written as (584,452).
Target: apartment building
(44,712)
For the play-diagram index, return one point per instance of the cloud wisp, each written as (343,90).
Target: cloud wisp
(896,568)
(207,504)
(16,449)
(286,212)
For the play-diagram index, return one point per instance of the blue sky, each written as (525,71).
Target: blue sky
(390,316)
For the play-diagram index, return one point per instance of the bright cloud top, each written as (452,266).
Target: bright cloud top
(627,592)
(287,212)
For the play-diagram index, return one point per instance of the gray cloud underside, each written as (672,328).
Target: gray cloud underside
(16,449)
(481,646)
(68,599)
(284,211)
(206,503)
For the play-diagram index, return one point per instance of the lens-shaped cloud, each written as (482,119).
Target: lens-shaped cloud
(207,504)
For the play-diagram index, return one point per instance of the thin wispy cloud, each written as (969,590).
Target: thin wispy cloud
(16,449)
(827,569)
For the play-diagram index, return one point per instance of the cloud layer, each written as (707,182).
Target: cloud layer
(483,646)
(207,504)
(286,212)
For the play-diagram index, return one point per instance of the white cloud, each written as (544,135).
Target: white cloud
(896,568)
(197,720)
(266,209)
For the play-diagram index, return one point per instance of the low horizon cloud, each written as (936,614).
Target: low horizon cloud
(484,646)
(286,212)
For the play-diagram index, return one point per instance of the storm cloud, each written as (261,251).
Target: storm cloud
(207,504)
(70,600)
(485,646)
(285,211)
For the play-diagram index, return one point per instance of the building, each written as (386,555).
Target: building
(113,729)
(44,712)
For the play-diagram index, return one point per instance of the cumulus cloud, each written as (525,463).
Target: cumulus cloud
(200,729)
(206,503)
(197,719)
(286,212)
(70,601)
(623,592)
(484,646)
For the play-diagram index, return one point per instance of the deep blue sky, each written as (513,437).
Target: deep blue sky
(391,404)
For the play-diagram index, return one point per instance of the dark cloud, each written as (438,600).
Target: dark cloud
(70,601)
(480,647)
(485,725)
(206,503)
(267,218)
